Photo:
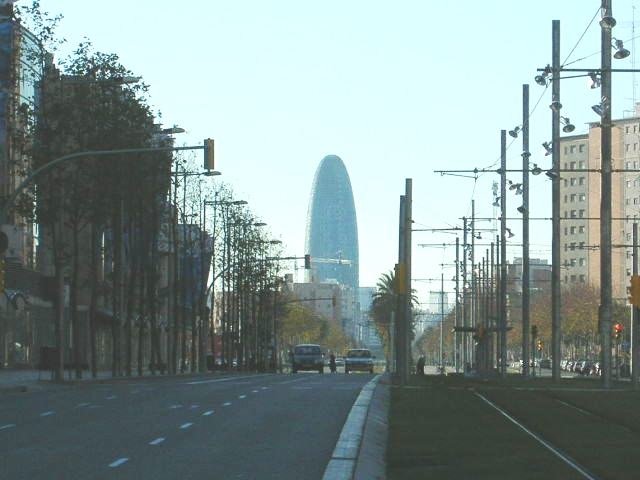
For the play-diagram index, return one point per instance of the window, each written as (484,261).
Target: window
(573,278)
(566,150)
(634,128)
(635,145)
(573,230)
(635,165)
(581,278)
(626,147)
(572,246)
(627,165)
(572,165)
(626,130)
(582,165)
(626,201)
(573,197)
(628,183)
(581,213)
(572,262)
(635,200)
(582,197)
(581,229)
(572,149)
(573,181)
(581,149)
(581,181)
(565,230)
(573,214)
(582,262)
(581,246)
(565,198)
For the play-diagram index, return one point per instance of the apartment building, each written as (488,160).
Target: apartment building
(580,203)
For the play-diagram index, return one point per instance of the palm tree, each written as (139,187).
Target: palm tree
(384,304)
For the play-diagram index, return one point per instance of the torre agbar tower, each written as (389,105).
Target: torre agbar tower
(332,229)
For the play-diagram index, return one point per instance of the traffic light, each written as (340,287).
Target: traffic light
(634,291)
(307,262)
(209,154)
(617,329)
(1,274)
(540,345)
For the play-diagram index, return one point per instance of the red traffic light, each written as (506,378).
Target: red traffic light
(618,327)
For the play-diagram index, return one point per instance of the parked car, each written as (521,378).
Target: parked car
(307,356)
(358,359)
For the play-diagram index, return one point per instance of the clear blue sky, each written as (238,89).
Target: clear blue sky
(396,89)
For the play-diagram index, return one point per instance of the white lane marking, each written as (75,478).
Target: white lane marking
(118,462)
(301,379)
(95,406)
(8,425)
(301,388)
(207,413)
(193,407)
(157,441)
(111,397)
(254,391)
(575,408)
(264,388)
(83,404)
(226,379)
(226,404)
(173,407)
(242,396)
(572,463)
(46,414)
(186,425)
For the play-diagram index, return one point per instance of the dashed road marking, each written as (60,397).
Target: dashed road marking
(264,388)
(242,396)
(157,441)
(301,388)
(226,404)
(83,404)
(8,425)
(193,407)
(255,391)
(185,425)
(173,407)
(46,414)
(111,397)
(118,462)
(207,413)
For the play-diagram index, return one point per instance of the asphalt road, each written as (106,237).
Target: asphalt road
(241,427)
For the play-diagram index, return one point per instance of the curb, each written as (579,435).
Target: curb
(344,459)
(371,464)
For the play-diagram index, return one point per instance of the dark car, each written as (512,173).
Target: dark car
(307,356)
(358,359)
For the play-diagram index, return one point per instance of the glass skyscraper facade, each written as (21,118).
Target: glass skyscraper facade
(332,229)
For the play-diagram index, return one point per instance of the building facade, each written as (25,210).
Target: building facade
(332,230)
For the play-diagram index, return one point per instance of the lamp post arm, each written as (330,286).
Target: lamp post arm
(48,166)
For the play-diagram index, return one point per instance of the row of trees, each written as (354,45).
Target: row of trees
(579,313)
(133,236)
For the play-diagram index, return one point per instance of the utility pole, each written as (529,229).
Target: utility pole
(473,288)
(401,292)
(408,305)
(503,253)
(605,199)
(465,297)
(456,343)
(635,317)
(555,204)
(525,230)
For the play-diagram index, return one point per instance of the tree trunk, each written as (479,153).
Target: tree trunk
(93,301)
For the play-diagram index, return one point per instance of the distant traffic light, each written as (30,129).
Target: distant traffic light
(209,154)
(307,262)
(540,345)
